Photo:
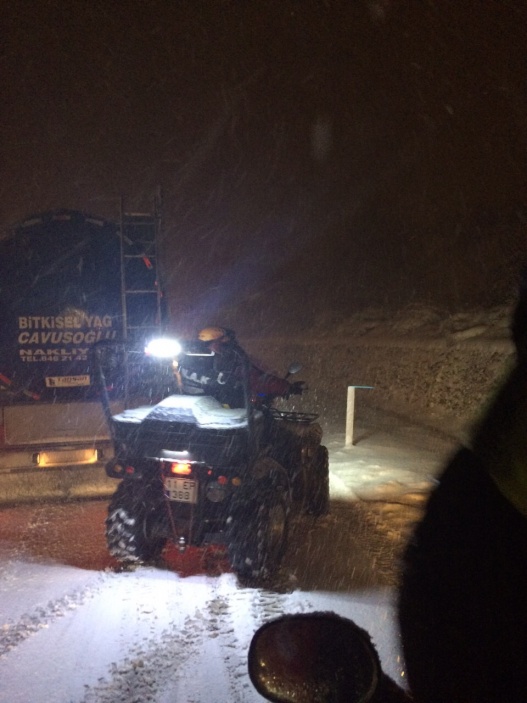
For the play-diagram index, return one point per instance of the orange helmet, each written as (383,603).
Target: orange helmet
(213,334)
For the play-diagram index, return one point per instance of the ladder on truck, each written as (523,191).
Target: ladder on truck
(140,289)
(141,293)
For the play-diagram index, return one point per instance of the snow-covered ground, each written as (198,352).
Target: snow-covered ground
(73,634)
(152,635)
(74,630)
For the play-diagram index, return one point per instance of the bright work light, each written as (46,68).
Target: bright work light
(163,348)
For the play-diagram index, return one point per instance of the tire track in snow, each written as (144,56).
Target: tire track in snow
(220,612)
(230,615)
(236,616)
(143,675)
(261,605)
(13,633)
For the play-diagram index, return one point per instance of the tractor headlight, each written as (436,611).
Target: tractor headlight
(163,348)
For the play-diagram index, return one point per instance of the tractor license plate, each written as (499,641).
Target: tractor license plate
(182,490)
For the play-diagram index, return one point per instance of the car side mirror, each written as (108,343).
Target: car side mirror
(314,657)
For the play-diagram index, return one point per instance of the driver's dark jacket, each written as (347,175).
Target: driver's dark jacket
(463,595)
(222,376)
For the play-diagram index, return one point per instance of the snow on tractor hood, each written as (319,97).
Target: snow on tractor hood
(200,410)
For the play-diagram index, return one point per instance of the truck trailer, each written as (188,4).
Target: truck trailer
(68,281)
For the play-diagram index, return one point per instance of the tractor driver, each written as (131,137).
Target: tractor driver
(218,366)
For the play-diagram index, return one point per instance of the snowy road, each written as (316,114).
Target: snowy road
(74,630)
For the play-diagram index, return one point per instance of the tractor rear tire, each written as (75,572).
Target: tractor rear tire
(132,513)
(257,536)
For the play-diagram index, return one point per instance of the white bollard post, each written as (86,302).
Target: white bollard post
(350,413)
(350,416)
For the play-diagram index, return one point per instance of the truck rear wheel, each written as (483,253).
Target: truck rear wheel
(257,536)
(318,498)
(132,515)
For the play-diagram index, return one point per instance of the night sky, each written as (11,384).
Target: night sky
(314,156)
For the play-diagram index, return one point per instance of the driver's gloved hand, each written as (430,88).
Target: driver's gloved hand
(297,388)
